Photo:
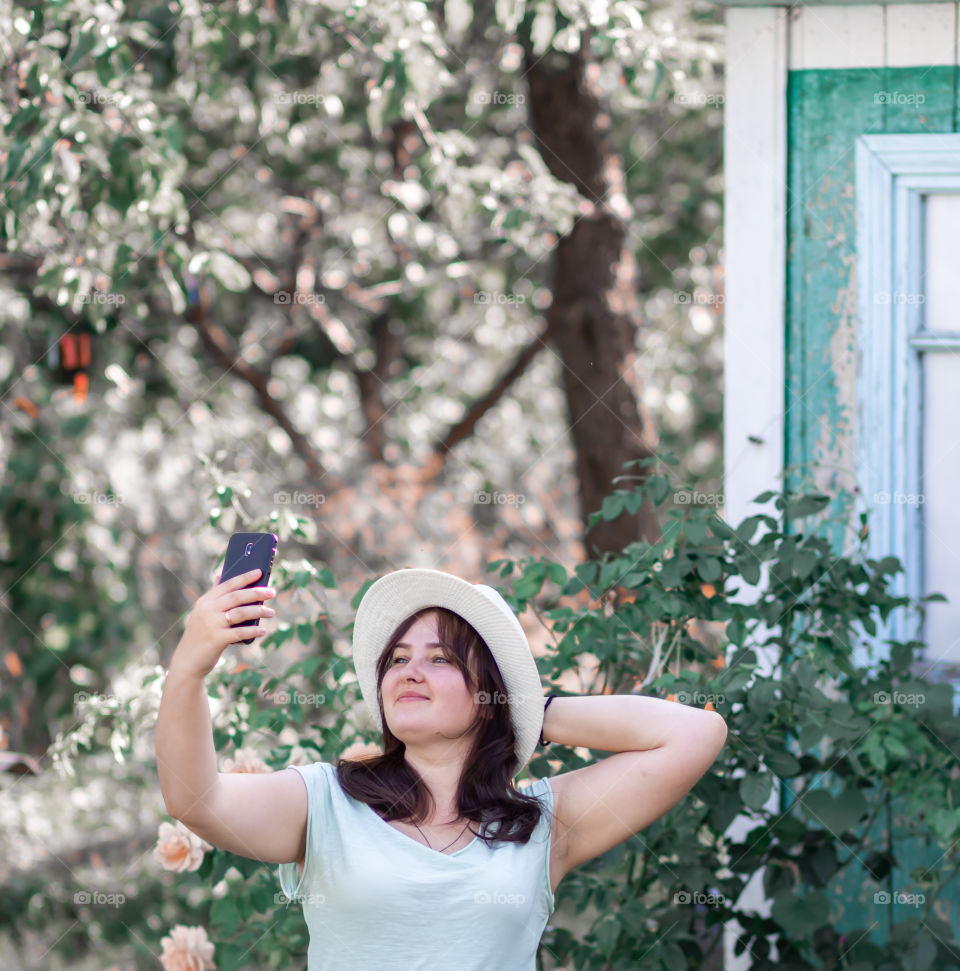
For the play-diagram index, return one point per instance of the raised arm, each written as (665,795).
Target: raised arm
(261,816)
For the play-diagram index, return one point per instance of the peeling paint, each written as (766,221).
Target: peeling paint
(826,111)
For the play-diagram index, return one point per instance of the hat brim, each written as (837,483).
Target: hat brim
(392,598)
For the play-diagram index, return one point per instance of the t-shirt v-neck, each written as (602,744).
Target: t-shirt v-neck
(406,836)
(484,905)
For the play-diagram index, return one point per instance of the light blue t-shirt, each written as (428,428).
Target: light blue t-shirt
(375,899)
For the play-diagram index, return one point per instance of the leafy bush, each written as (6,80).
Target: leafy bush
(849,745)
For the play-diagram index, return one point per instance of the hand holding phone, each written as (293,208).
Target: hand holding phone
(230,607)
(208,631)
(246,552)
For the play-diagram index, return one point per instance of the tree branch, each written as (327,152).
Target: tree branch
(464,428)
(217,341)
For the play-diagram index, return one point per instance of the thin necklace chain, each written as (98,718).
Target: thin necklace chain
(462,831)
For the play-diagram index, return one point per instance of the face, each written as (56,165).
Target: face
(418,665)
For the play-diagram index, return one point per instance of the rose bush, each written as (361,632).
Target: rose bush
(860,773)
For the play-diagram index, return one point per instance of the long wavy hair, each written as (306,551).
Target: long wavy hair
(395,790)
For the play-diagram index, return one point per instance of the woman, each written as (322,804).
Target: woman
(427,857)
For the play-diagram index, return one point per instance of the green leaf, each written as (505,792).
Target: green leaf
(901,656)
(805,563)
(85,43)
(805,506)
(761,697)
(281,635)
(895,747)
(945,823)
(658,488)
(734,678)
(922,952)
(875,753)
(721,529)
(14,158)
(612,506)
(659,73)
(747,528)
(736,632)
(530,584)
(309,665)
(810,734)
(325,576)
(607,932)
(514,219)
(207,865)
(800,916)
(749,568)
(782,763)
(74,425)
(224,914)
(710,570)
(122,187)
(673,957)
(755,789)
(889,564)
(837,813)
(696,530)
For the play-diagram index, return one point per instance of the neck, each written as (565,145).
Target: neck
(442,780)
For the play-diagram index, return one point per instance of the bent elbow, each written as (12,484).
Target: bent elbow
(175,809)
(721,730)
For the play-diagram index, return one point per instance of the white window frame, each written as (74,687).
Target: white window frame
(893,173)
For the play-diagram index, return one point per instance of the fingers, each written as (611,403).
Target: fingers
(246,596)
(240,581)
(221,589)
(251,612)
(245,635)
(254,615)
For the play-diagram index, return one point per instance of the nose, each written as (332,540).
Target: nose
(412,671)
(409,674)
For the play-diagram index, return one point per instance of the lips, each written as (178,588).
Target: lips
(412,696)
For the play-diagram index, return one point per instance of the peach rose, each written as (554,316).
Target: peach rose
(300,756)
(361,750)
(178,848)
(246,761)
(186,949)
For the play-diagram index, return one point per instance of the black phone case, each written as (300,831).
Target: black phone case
(245,552)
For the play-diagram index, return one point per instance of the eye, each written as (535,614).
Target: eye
(439,657)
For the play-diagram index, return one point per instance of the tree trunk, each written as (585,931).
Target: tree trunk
(593,318)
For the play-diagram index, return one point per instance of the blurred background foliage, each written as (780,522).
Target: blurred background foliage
(296,264)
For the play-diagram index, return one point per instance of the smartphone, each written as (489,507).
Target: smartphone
(245,552)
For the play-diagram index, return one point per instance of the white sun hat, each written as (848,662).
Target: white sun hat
(394,597)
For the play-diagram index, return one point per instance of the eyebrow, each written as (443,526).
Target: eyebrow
(404,644)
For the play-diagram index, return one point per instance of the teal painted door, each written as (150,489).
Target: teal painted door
(827,110)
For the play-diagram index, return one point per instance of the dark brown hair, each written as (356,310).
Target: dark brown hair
(395,790)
